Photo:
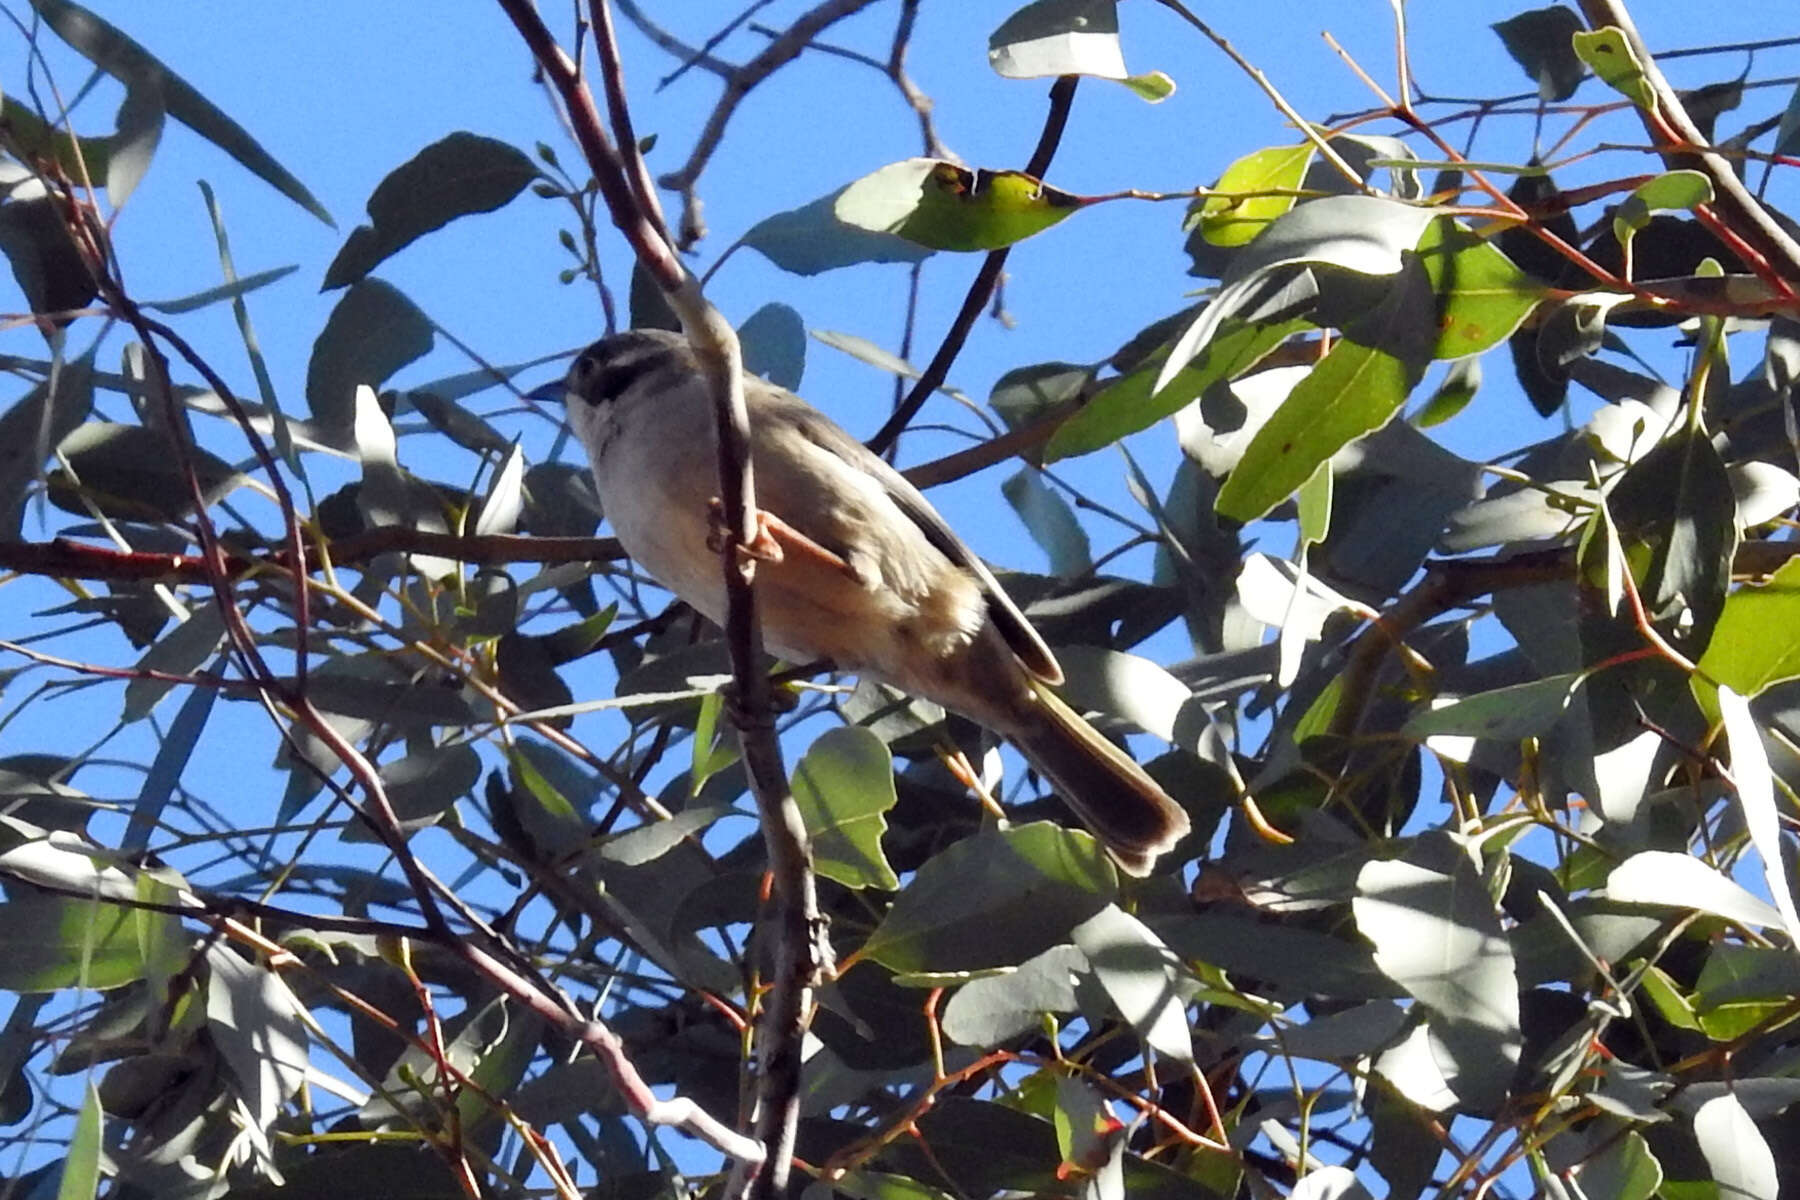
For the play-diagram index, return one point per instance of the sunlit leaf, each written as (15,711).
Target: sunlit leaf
(1234,219)
(1438,936)
(944,206)
(1609,53)
(1482,297)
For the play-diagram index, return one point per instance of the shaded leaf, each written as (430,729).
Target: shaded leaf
(132,473)
(1539,40)
(48,943)
(774,345)
(1141,977)
(1507,714)
(1050,521)
(179,652)
(372,332)
(985,1012)
(125,60)
(41,419)
(453,177)
(140,126)
(812,239)
(994,899)
(843,785)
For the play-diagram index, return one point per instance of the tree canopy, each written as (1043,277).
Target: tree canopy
(369,822)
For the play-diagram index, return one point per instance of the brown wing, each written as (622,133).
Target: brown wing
(829,436)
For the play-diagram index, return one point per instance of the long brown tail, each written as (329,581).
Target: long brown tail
(1111,794)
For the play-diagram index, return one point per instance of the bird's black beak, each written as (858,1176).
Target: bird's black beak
(548,393)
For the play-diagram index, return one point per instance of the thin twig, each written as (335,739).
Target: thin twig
(1062,96)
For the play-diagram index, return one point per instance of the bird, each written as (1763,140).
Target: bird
(855,566)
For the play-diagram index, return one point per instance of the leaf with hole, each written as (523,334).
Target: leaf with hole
(944,206)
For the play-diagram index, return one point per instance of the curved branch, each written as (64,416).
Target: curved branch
(1685,146)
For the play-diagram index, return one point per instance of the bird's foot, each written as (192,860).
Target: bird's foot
(764,544)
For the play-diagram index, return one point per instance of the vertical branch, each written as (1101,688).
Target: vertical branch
(626,190)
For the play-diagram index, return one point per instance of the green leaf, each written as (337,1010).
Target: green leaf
(1315,506)
(812,238)
(1438,936)
(128,62)
(1129,403)
(1459,386)
(1624,1169)
(1507,714)
(372,332)
(1756,643)
(1236,219)
(843,784)
(1050,521)
(1482,297)
(1539,41)
(456,176)
(711,753)
(50,942)
(949,207)
(81,1163)
(1609,53)
(995,899)
(1354,390)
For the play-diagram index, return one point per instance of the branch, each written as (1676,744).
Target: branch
(798,962)
(63,558)
(739,84)
(1669,124)
(1062,96)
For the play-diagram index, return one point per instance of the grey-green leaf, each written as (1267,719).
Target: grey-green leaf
(1438,936)
(456,176)
(125,60)
(373,332)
